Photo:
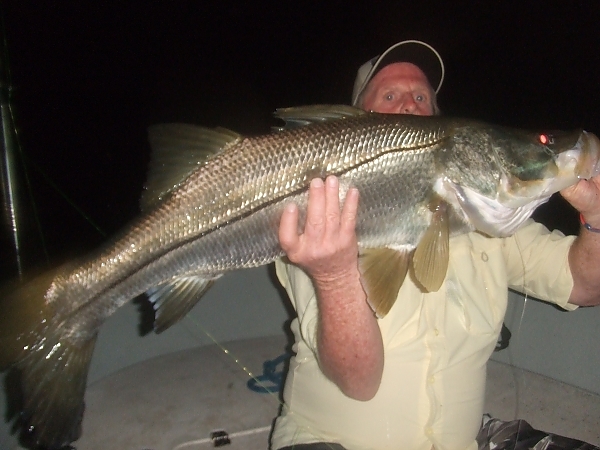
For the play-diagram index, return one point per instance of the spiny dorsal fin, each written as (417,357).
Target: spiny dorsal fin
(430,260)
(173,300)
(383,271)
(300,116)
(177,150)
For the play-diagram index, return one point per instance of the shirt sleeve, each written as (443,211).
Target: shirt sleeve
(302,295)
(538,264)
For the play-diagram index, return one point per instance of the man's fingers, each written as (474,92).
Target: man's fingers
(584,195)
(324,220)
(315,212)
(288,228)
(348,219)
(332,205)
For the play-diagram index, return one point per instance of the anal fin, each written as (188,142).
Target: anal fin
(383,271)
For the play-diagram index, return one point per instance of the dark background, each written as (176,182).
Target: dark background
(88,78)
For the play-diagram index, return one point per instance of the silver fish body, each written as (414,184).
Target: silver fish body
(415,175)
(225,215)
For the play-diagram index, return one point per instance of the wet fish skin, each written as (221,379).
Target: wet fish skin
(204,218)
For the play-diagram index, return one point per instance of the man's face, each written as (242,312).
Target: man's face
(399,88)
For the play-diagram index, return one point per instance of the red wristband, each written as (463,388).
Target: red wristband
(587,226)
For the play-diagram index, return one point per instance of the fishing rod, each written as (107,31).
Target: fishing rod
(21,233)
(10,173)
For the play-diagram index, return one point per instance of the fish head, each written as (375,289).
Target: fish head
(495,177)
(536,165)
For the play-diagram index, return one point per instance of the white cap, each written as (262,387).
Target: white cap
(419,53)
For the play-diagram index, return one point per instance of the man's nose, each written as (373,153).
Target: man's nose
(408,105)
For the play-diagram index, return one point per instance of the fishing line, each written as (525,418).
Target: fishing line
(227,352)
(66,198)
(246,370)
(517,372)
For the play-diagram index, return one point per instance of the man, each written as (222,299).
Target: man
(414,380)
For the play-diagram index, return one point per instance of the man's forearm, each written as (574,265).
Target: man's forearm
(584,261)
(350,347)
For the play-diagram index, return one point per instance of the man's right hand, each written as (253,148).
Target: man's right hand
(327,248)
(350,348)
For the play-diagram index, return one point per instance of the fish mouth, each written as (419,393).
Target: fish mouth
(588,165)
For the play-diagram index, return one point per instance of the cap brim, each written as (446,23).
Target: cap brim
(418,53)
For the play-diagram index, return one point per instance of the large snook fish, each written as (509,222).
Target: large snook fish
(421,180)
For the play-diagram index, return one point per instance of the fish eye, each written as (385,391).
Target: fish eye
(546,139)
(420,98)
(389,97)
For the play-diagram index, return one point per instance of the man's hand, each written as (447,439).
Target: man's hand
(585,198)
(584,256)
(327,249)
(349,343)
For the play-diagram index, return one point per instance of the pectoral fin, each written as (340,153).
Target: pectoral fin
(383,271)
(430,260)
(173,300)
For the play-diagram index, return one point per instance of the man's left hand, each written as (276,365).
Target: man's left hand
(584,196)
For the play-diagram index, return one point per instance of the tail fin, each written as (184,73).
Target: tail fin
(53,369)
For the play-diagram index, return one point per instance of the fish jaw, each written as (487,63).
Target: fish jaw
(588,164)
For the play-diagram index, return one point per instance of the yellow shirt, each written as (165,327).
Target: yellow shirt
(436,348)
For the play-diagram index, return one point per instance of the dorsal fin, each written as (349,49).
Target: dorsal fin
(430,260)
(300,116)
(383,271)
(177,150)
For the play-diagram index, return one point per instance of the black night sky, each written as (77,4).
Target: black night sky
(88,78)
